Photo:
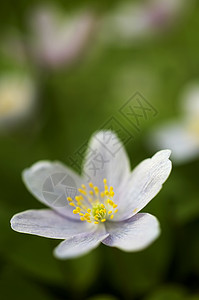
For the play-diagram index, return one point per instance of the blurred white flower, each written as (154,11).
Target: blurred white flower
(17,99)
(97,213)
(182,135)
(131,22)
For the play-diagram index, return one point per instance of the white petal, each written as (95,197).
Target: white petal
(81,244)
(106,158)
(52,183)
(133,234)
(176,137)
(143,184)
(47,223)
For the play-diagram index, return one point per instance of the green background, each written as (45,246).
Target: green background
(73,103)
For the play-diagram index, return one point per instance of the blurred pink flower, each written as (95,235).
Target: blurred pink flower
(139,21)
(54,38)
(57,38)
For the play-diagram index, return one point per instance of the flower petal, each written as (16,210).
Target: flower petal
(176,137)
(47,223)
(52,183)
(143,184)
(106,158)
(133,234)
(81,244)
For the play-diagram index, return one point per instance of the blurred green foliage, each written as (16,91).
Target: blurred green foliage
(73,103)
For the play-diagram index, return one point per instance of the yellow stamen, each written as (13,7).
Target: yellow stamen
(92,205)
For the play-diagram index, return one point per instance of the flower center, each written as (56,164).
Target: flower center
(94,206)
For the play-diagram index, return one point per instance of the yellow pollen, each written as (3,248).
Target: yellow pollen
(96,190)
(92,205)
(82,192)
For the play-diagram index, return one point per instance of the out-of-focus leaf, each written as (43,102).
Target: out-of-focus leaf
(13,285)
(168,292)
(102,297)
(34,255)
(84,271)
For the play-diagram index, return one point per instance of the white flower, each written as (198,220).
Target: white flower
(181,136)
(104,210)
(17,99)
